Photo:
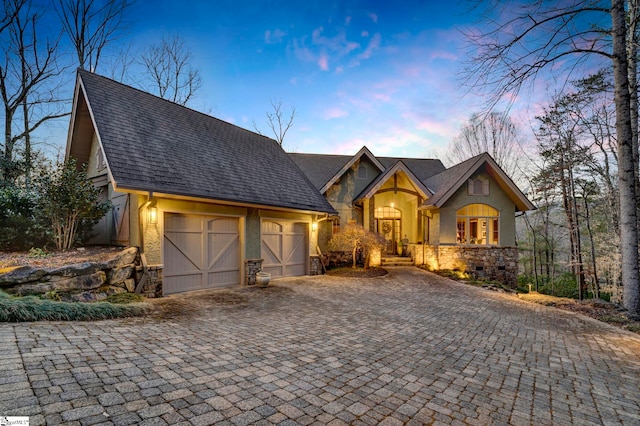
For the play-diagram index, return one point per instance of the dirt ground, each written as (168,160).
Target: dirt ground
(54,259)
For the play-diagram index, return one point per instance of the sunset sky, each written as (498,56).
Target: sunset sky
(376,73)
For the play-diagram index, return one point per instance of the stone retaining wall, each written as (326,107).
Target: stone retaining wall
(483,262)
(84,282)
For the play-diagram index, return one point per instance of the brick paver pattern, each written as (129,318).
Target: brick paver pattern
(407,348)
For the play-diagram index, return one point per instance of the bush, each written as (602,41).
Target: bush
(69,202)
(31,308)
(20,229)
(125,298)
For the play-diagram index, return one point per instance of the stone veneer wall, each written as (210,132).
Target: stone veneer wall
(316,266)
(484,262)
(251,268)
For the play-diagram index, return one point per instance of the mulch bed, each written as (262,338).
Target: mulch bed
(54,259)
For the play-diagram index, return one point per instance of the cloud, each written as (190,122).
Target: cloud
(274,37)
(374,44)
(334,112)
(323,62)
(373,17)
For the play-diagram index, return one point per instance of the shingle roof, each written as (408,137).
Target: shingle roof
(445,184)
(151,144)
(319,168)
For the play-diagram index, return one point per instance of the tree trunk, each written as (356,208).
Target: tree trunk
(626,168)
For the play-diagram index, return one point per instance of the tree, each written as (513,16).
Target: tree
(494,133)
(167,65)
(278,121)
(91,25)
(28,85)
(353,238)
(514,50)
(69,202)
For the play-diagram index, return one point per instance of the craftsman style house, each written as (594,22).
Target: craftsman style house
(210,203)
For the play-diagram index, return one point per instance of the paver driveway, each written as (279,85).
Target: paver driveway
(409,347)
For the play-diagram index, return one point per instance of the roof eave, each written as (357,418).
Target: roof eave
(143,191)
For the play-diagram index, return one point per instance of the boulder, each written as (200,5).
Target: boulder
(23,274)
(87,296)
(119,275)
(125,257)
(74,270)
(130,285)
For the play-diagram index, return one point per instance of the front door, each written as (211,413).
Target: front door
(390,229)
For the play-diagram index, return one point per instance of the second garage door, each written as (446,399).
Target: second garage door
(284,248)
(200,252)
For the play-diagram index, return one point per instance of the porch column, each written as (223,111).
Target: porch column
(372,217)
(420,236)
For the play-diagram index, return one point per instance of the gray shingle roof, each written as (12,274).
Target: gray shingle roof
(152,144)
(319,168)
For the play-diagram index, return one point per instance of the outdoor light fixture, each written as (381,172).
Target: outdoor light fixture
(314,226)
(153,214)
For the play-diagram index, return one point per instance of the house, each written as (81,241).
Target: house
(461,218)
(210,203)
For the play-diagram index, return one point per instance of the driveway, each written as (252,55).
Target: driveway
(407,348)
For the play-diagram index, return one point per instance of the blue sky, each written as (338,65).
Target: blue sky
(375,73)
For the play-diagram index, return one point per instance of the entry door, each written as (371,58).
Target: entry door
(284,248)
(200,252)
(391,231)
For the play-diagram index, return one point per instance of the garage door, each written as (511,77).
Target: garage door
(284,248)
(200,252)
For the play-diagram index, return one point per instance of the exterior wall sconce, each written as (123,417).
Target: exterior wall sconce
(314,226)
(153,214)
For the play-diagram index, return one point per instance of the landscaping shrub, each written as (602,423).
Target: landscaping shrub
(31,308)
(20,229)
(125,298)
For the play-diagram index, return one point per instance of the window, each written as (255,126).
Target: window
(478,186)
(362,172)
(478,224)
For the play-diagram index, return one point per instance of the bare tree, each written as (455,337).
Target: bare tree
(91,25)
(540,34)
(278,121)
(494,133)
(28,85)
(168,67)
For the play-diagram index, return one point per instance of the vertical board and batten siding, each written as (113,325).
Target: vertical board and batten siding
(200,252)
(284,248)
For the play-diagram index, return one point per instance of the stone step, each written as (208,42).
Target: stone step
(396,261)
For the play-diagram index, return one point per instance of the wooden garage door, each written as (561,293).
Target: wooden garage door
(284,248)
(200,252)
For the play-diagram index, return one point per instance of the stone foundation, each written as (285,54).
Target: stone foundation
(251,267)
(315,267)
(483,262)
(153,286)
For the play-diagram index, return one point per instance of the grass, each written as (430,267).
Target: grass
(125,298)
(32,308)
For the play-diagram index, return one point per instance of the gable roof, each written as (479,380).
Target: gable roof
(325,169)
(398,166)
(151,144)
(444,185)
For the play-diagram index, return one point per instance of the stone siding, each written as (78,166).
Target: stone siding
(483,262)
(251,268)
(316,266)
